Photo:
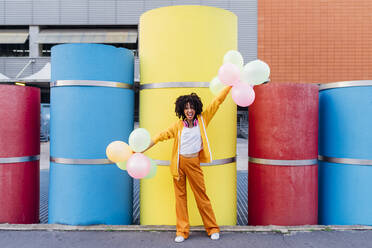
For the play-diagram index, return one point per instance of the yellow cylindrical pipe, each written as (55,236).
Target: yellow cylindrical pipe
(186,44)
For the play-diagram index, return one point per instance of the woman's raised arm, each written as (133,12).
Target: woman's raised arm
(212,108)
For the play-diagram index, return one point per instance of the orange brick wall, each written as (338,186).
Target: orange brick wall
(316,41)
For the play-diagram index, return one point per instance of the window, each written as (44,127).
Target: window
(14,50)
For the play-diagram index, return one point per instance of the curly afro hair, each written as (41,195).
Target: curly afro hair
(194,101)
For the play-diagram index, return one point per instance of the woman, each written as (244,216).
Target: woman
(190,148)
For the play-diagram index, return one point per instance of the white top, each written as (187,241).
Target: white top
(191,141)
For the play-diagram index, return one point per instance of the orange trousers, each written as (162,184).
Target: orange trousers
(190,168)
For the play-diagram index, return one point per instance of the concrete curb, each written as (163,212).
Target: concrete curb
(140,228)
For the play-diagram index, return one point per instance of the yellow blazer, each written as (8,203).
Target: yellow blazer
(203,121)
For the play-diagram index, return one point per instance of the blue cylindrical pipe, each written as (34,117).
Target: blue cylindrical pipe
(84,120)
(345,121)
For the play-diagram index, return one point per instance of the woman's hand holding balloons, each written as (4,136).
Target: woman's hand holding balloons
(242,78)
(137,164)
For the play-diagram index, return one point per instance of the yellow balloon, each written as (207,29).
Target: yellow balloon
(122,165)
(118,151)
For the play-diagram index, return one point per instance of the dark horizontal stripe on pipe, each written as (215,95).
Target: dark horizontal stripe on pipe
(297,162)
(19,159)
(214,162)
(80,161)
(345,84)
(175,85)
(353,161)
(59,83)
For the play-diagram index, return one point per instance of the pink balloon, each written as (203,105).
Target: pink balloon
(229,74)
(138,165)
(243,94)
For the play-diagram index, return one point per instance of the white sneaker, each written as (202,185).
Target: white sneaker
(179,239)
(215,236)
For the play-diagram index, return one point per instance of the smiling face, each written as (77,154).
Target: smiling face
(189,112)
(188,107)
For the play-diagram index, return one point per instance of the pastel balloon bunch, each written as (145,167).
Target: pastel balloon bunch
(130,157)
(241,77)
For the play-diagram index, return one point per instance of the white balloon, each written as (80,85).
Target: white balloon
(255,72)
(139,140)
(234,57)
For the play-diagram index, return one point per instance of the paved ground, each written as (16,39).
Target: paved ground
(241,154)
(128,239)
(44,155)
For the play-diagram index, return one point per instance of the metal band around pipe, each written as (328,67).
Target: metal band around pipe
(80,161)
(345,84)
(90,83)
(19,159)
(345,160)
(214,162)
(280,162)
(175,85)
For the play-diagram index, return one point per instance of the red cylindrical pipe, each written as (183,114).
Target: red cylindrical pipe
(19,137)
(283,125)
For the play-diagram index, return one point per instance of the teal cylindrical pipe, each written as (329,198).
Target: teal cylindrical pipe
(345,141)
(84,120)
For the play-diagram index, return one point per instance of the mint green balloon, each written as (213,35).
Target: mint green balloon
(139,140)
(153,169)
(216,86)
(122,165)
